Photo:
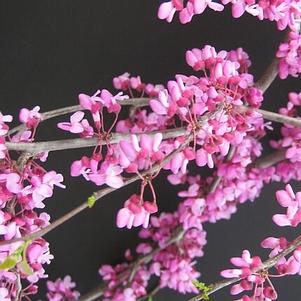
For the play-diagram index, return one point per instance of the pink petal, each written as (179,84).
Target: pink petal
(201,157)
(146,143)
(216,6)
(238,9)
(166,10)
(281,220)
(128,150)
(199,6)
(123,216)
(77,116)
(239,262)
(76,168)
(157,107)
(85,101)
(283,198)
(270,242)
(114,181)
(12,183)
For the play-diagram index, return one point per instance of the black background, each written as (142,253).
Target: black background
(52,50)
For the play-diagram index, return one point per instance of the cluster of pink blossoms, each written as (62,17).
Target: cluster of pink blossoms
(218,92)
(24,185)
(211,109)
(285,12)
(289,54)
(240,181)
(207,107)
(254,276)
(62,290)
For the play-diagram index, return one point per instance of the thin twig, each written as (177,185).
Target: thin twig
(271,262)
(263,84)
(268,76)
(135,102)
(57,145)
(264,162)
(97,195)
(276,117)
(38,147)
(144,259)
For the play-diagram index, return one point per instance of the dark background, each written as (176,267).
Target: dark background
(52,50)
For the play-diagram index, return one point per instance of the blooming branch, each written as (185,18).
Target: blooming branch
(266,265)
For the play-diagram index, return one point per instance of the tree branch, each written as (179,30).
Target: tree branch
(268,76)
(97,195)
(56,145)
(135,102)
(101,193)
(264,162)
(275,116)
(271,262)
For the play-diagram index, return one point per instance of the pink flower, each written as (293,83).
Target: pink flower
(289,54)
(245,265)
(75,125)
(3,127)
(4,294)
(178,274)
(42,188)
(288,199)
(276,244)
(140,153)
(62,290)
(93,104)
(111,102)
(135,213)
(13,183)
(30,117)
(168,9)
(107,174)
(163,106)
(204,158)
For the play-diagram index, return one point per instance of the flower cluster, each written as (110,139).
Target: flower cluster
(208,107)
(252,272)
(290,142)
(289,54)
(207,117)
(285,13)
(3,132)
(172,264)
(62,290)
(246,270)
(24,186)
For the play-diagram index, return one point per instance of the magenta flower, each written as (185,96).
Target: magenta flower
(3,127)
(13,183)
(168,9)
(62,290)
(140,153)
(245,265)
(4,294)
(276,244)
(75,125)
(107,174)
(42,188)
(163,105)
(289,54)
(288,199)
(135,213)
(30,117)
